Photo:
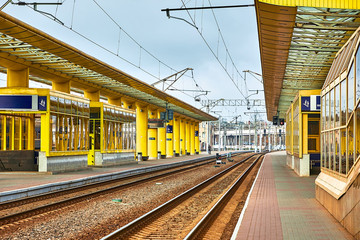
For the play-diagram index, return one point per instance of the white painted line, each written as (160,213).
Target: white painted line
(237,227)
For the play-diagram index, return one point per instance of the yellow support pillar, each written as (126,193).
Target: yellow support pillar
(115,101)
(45,133)
(192,138)
(18,78)
(176,136)
(182,137)
(141,132)
(197,141)
(61,86)
(187,137)
(31,132)
(169,139)
(152,134)
(92,96)
(161,138)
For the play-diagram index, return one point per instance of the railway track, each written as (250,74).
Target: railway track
(79,194)
(190,214)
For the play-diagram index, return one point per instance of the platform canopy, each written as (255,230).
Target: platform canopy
(298,42)
(50,60)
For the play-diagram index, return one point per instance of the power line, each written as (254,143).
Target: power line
(161,63)
(215,55)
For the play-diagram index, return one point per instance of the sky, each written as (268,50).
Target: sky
(139,39)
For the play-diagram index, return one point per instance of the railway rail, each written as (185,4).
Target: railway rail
(188,215)
(78,194)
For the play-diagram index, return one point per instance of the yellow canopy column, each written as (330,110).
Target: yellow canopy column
(187,137)
(152,134)
(61,86)
(192,138)
(161,138)
(18,78)
(176,135)
(169,139)
(197,141)
(182,137)
(141,132)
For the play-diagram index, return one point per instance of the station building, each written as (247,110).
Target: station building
(93,115)
(311,72)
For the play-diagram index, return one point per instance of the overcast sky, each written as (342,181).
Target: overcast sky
(174,42)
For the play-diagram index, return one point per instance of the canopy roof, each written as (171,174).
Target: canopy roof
(49,59)
(298,42)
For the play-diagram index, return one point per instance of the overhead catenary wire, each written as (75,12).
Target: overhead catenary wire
(213,52)
(121,30)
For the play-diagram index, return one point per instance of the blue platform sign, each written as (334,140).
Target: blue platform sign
(305,104)
(169,129)
(23,103)
(42,103)
(311,103)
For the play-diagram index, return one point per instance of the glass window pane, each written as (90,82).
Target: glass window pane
(337,106)
(53,103)
(357,132)
(351,90)
(326,155)
(327,108)
(337,150)
(323,113)
(25,133)
(332,108)
(331,150)
(350,140)
(358,74)
(313,127)
(343,151)
(53,123)
(343,103)
(17,133)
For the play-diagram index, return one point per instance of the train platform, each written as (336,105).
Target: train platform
(282,205)
(21,184)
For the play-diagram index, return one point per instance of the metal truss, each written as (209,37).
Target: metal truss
(210,103)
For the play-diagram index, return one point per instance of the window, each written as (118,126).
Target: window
(313,127)
(358,74)
(332,100)
(351,90)
(337,105)
(343,151)
(343,103)
(350,141)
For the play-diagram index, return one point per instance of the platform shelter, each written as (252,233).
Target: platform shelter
(93,115)
(303,133)
(307,46)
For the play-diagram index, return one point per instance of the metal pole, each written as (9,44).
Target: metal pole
(269,139)
(261,134)
(255,136)
(219,138)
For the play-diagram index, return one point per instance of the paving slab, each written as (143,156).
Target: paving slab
(282,205)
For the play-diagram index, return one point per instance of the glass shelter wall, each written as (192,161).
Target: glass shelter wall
(69,123)
(340,128)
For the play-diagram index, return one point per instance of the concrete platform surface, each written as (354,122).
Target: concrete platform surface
(21,184)
(282,205)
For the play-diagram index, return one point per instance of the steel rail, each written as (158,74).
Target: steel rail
(11,218)
(160,210)
(218,206)
(43,196)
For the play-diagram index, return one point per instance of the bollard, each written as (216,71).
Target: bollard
(159,155)
(139,156)
(174,153)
